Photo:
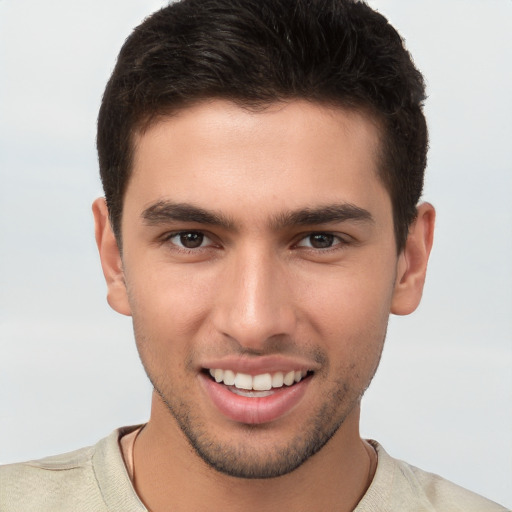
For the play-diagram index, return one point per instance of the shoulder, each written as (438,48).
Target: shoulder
(399,486)
(81,480)
(57,482)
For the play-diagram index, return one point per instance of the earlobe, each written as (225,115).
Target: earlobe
(110,257)
(412,262)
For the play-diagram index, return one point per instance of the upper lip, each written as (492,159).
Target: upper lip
(256,365)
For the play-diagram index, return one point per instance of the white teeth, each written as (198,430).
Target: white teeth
(278,380)
(229,377)
(243,381)
(289,378)
(261,382)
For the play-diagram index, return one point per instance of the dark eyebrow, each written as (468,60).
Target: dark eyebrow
(323,215)
(167,211)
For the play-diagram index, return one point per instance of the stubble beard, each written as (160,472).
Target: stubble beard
(248,460)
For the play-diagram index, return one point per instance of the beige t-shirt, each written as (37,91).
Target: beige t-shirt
(96,479)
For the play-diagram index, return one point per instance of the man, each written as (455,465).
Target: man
(262,163)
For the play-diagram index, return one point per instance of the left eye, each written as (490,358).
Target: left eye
(319,241)
(189,239)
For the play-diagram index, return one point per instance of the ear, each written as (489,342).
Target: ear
(110,257)
(412,262)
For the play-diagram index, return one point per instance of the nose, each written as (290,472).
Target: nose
(255,303)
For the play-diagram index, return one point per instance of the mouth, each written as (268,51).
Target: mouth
(255,399)
(261,385)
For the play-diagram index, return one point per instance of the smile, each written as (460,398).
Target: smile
(261,382)
(255,399)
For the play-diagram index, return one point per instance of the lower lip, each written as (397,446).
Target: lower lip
(254,410)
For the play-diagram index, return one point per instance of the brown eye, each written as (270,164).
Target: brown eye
(321,240)
(188,240)
(191,240)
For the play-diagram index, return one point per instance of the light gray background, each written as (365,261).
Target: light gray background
(69,372)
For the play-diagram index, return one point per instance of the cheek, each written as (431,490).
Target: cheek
(349,314)
(348,300)
(169,303)
(167,316)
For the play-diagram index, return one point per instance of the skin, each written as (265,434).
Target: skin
(263,285)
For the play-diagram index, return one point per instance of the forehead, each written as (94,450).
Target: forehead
(289,155)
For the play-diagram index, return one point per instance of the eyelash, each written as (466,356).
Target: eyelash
(338,242)
(169,236)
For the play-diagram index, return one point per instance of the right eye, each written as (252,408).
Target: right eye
(189,240)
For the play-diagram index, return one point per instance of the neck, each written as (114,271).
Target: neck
(169,475)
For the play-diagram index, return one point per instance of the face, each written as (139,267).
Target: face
(259,265)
